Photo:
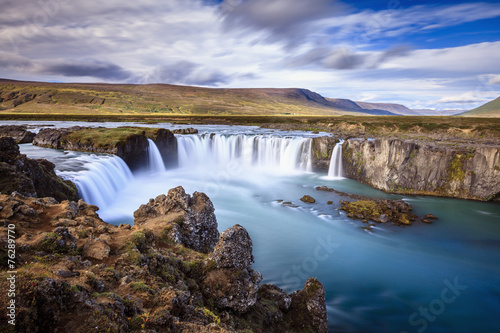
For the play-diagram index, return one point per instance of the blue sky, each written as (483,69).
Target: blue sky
(424,54)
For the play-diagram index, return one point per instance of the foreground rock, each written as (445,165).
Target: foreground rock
(187,220)
(35,178)
(19,133)
(76,273)
(129,143)
(413,167)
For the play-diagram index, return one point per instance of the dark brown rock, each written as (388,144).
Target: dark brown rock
(309,303)
(194,224)
(19,133)
(35,178)
(188,130)
(308,199)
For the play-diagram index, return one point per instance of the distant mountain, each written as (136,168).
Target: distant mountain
(388,107)
(429,112)
(100,98)
(347,104)
(490,109)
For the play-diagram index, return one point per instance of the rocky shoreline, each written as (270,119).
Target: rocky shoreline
(170,271)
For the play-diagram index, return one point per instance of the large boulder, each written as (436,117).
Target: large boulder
(19,133)
(35,178)
(233,284)
(187,220)
(234,249)
(308,308)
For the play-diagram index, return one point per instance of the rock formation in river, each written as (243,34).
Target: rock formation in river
(129,143)
(19,133)
(416,167)
(321,150)
(29,177)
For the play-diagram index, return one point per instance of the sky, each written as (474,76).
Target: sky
(423,54)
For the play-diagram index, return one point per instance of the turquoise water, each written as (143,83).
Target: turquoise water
(442,277)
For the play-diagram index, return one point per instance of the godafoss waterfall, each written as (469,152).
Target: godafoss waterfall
(439,277)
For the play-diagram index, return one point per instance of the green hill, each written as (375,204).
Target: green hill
(490,109)
(160,99)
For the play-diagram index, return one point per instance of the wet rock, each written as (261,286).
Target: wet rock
(193,223)
(18,133)
(381,211)
(321,152)
(430,216)
(308,199)
(188,130)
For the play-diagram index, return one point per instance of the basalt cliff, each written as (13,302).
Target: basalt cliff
(424,168)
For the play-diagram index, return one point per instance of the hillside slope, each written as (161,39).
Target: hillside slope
(490,109)
(80,98)
(389,107)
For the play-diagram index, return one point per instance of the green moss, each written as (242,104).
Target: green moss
(456,168)
(141,287)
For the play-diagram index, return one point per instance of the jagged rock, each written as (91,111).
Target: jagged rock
(96,248)
(309,303)
(232,259)
(19,133)
(275,294)
(34,178)
(193,222)
(188,130)
(308,199)
(430,216)
(234,249)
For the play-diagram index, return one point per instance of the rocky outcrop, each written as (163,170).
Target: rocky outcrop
(19,133)
(232,259)
(414,167)
(187,220)
(381,211)
(129,143)
(188,130)
(76,273)
(321,152)
(35,178)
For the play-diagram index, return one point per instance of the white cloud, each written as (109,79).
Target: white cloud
(465,98)
(494,80)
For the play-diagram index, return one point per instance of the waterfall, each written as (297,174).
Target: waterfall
(103,178)
(270,152)
(155,160)
(335,169)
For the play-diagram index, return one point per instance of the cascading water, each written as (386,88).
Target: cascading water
(155,160)
(335,169)
(270,152)
(105,176)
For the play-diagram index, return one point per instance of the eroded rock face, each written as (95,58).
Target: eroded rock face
(189,221)
(321,151)
(232,258)
(413,167)
(310,303)
(234,249)
(34,178)
(19,133)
